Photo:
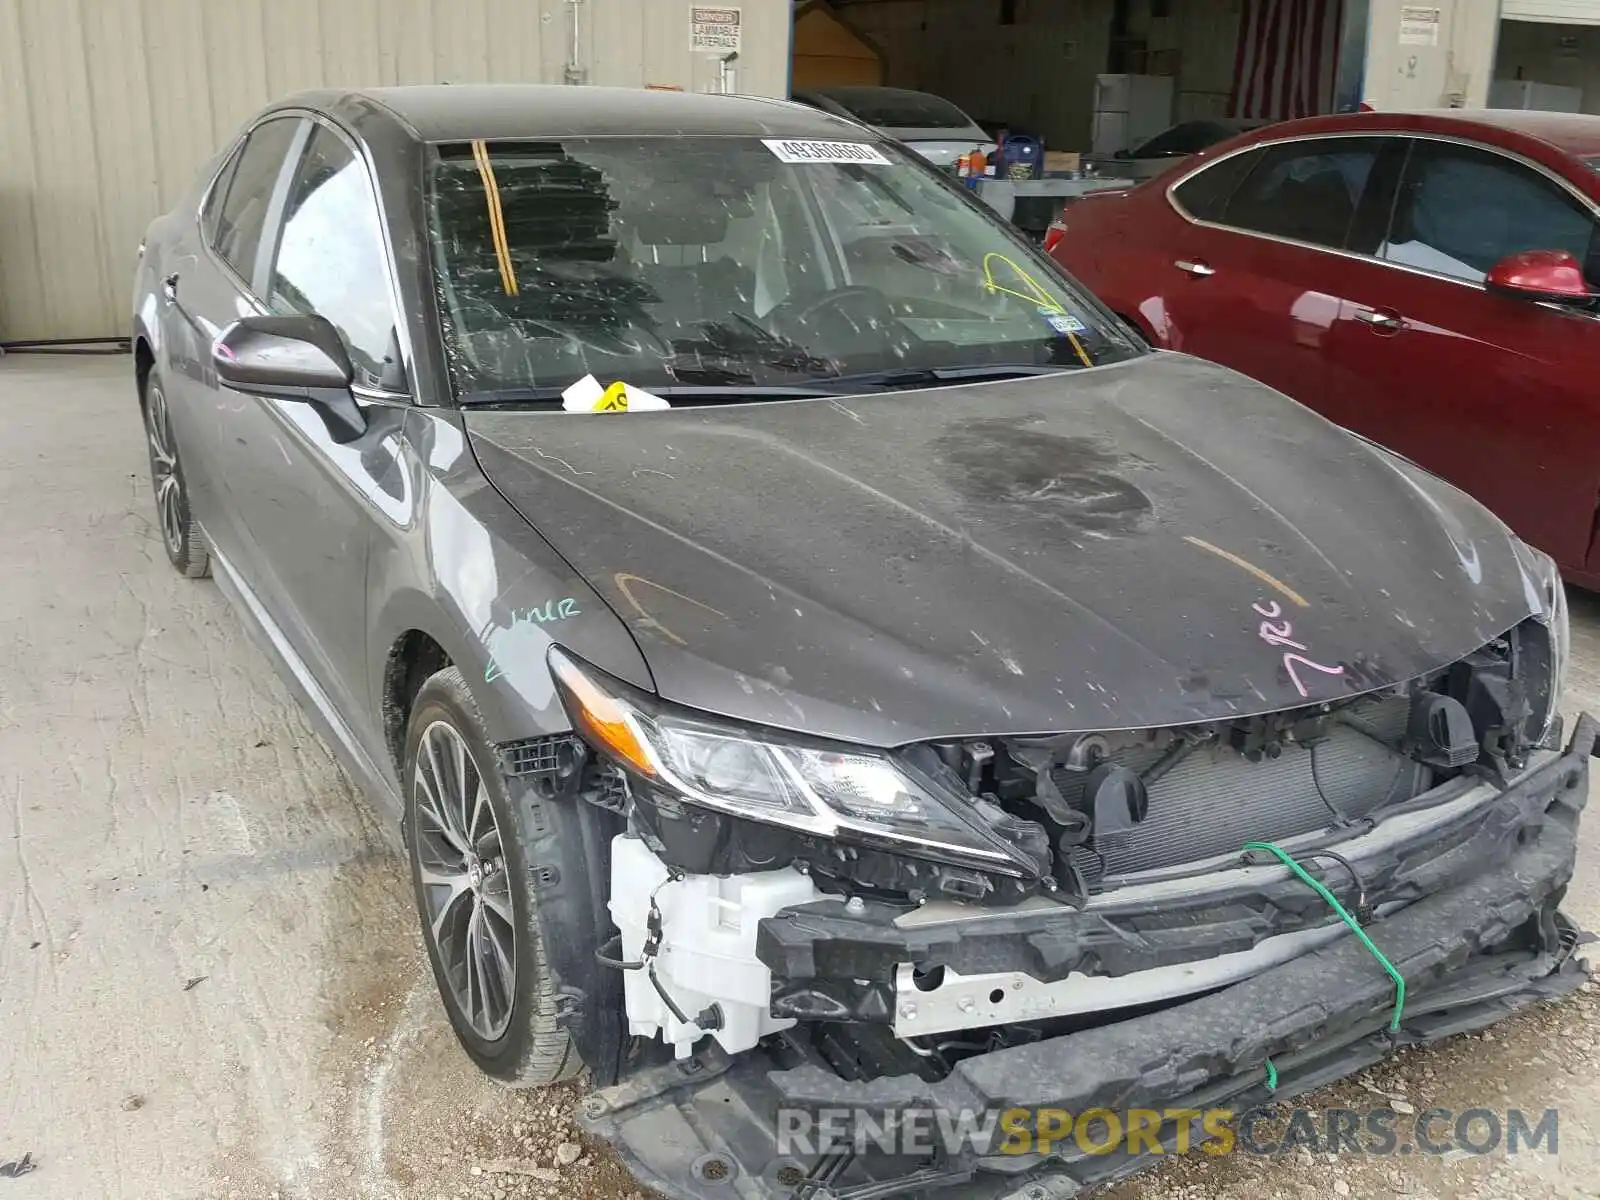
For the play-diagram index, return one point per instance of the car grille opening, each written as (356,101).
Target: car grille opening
(1216,799)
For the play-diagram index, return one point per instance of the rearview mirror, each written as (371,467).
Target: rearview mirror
(300,358)
(1539,275)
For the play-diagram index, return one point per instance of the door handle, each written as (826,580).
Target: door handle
(169,287)
(1389,322)
(1198,269)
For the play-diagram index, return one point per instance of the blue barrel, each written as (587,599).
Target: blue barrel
(1023,157)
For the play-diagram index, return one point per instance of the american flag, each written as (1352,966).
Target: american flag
(1287,59)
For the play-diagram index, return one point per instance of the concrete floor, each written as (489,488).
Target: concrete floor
(210,981)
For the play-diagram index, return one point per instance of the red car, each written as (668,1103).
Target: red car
(1428,280)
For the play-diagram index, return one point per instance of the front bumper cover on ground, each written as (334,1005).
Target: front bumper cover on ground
(1471,953)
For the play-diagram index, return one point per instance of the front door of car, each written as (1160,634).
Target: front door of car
(308,502)
(1493,392)
(1258,277)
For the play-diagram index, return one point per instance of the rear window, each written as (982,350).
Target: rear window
(239,222)
(1305,190)
(1205,194)
(903,110)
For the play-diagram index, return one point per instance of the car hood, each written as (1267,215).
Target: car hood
(1157,542)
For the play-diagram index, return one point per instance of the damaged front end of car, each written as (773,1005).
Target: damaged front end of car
(1157,918)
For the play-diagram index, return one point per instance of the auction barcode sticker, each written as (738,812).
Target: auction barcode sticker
(791,150)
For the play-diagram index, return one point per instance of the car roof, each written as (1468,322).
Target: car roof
(460,112)
(1568,133)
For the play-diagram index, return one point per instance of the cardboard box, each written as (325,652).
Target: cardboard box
(1058,162)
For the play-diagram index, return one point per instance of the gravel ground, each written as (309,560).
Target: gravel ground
(210,979)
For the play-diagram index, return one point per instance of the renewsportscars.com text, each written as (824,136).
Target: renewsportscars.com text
(1372,1131)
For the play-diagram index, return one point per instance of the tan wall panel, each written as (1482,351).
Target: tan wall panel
(108,108)
(822,71)
(1453,73)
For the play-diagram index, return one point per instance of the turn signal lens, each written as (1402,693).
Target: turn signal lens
(602,717)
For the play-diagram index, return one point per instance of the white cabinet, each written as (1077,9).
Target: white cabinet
(1526,93)
(1129,109)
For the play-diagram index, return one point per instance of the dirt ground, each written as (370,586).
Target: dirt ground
(210,979)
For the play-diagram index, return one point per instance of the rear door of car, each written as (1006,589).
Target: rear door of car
(1495,393)
(1260,270)
(1122,245)
(204,290)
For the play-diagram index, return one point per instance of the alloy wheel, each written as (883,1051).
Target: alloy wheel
(466,891)
(164,470)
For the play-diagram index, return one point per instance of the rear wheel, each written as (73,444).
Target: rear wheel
(473,885)
(180,532)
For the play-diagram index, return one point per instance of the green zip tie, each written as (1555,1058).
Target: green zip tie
(1355,927)
(1272,1076)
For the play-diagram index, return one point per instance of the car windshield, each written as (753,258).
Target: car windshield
(724,260)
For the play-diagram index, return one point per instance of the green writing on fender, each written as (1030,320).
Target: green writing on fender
(521,618)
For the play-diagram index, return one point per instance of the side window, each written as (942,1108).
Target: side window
(1462,209)
(249,191)
(211,214)
(1306,190)
(330,258)
(1205,194)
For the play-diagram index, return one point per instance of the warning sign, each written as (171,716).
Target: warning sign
(1419,25)
(714,29)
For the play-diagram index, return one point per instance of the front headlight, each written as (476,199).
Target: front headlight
(1553,616)
(831,790)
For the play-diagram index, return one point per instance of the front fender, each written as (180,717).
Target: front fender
(470,573)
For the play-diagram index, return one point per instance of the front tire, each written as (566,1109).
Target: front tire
(472,880)
(180,532)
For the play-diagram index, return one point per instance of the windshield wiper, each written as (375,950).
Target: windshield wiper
(549,398)
(734,391)
(910,377)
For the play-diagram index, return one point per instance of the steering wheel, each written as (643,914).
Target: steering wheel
(843,316)
(841,297)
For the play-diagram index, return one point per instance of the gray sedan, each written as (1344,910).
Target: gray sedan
(816,659)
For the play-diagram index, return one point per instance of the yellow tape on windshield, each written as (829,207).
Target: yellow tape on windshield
(1035,295)
(497,220)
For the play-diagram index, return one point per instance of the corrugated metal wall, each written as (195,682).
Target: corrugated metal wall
(1202,38)
(108,106)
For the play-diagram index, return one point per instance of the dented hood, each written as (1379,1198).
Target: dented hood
(1153,543)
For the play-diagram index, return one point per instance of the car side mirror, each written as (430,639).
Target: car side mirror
(1540,275)
(297,358)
